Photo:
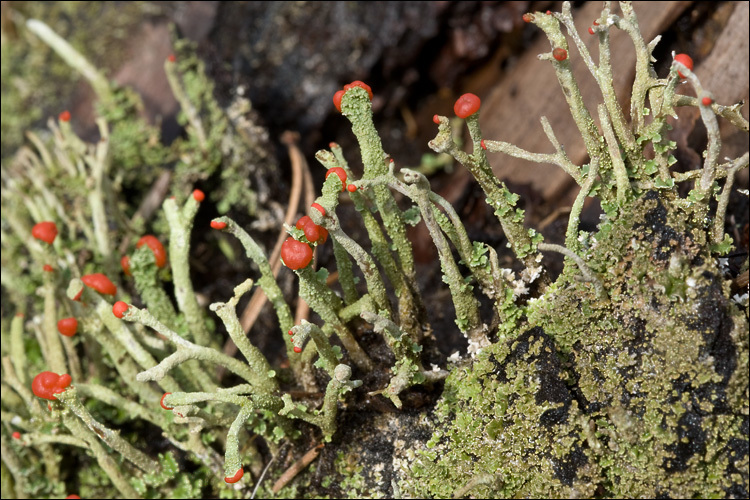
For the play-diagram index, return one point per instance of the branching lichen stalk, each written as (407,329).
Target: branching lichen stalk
(467,306)
(103,458)
(185,350)
(52,343)
(621,173)
(180,226)
(266,281)
(571,235)
(264,376)
(326,304)
(17,349)
(70,399)
(356,106)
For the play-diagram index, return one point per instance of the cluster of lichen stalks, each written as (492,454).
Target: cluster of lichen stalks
(174,370)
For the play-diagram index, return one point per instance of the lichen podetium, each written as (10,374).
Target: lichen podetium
(626,376)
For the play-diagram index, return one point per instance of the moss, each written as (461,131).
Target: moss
(644,395)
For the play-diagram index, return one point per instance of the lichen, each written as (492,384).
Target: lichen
(626,376)
(641,396)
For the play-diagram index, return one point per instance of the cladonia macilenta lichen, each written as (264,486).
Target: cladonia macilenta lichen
(626,376)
